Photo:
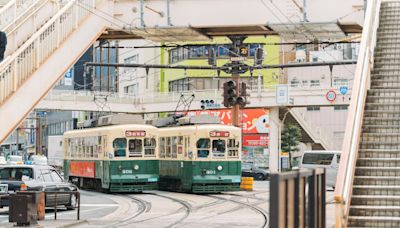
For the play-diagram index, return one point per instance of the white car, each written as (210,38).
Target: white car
(15,160)
(38,160)
(3,160)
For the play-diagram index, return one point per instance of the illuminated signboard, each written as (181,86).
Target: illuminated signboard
(135,133)
(219,133)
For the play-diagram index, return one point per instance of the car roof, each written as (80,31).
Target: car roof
(28,166)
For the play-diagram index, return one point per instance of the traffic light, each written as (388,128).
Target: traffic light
(230,93)
(212,57)
(259,56)
(207,104)
(242,98)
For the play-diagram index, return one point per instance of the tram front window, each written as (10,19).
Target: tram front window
(203,148)
(119,145)
(218,148)
(135,148)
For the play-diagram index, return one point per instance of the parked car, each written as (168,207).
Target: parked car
(3,160)
(250,170)
(15,160)
(327,159)
(37,160)
(36,178)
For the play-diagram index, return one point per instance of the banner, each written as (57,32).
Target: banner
(251,120)
(82,169)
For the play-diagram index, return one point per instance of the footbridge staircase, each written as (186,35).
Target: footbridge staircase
(44,39)
(367,192)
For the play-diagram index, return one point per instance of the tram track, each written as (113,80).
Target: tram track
(248,205)
(143,207)
(185,205)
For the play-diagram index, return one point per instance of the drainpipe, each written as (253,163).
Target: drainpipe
(142,13)
(168,13)
(305,11)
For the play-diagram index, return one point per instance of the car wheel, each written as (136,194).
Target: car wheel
(260,176)
(72,203)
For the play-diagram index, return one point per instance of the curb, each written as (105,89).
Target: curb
(72,224)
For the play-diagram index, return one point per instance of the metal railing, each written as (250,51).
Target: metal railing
(344,183)
(297,199)
(16,69)
(12,10)
(165,97)
(70,193)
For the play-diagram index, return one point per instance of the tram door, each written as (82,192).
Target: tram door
(106,167)
(186,170)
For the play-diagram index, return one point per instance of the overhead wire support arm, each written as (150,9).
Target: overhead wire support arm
(184,67)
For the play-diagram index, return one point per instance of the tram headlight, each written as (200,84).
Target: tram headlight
(136,167)
(219,168)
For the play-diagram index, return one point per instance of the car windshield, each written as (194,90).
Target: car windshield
(15,174)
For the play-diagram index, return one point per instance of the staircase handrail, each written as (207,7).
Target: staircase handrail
(11,10)
(344,183)
(10,27)
(17,68)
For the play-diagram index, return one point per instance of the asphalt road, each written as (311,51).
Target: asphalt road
(170,209)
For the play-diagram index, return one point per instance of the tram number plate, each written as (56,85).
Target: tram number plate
(210,171)
(127,171)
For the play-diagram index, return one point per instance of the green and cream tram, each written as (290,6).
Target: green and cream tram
(200,158)
(116,158)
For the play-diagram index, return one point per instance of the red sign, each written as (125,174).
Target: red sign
(82,169)
(219,133)
(256,140)
(331,95)
(251,120)
(135,133)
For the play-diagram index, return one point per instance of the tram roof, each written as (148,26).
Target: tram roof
(111,128)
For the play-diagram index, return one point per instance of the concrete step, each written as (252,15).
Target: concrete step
(377,180)
(373,221)
(384,77)
(376,190)
(364,210)
(378,153)
(381,113)
(377,171)
(379,145)
(378,162)
(385,84)
(380,128)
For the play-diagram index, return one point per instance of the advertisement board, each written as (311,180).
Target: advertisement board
(255,140)
(251,120)
(82,169)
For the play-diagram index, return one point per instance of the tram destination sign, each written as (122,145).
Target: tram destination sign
(135,133)
(219,133)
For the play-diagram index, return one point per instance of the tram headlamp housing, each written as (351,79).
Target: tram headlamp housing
(136,167)
(219,168)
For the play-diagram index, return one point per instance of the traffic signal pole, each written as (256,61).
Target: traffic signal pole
(236,107)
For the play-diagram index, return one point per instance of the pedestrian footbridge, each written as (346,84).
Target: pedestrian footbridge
(167,102)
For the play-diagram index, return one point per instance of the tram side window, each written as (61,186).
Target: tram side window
(119,145)
(174,147)
(233,148)
(162,147)
(135,148)
(203,147)
(168,155)
(218,148)
(149,146)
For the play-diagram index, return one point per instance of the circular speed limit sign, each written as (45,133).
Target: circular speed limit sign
(331,95)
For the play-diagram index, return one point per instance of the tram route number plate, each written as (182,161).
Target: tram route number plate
(210,171)
(127,171)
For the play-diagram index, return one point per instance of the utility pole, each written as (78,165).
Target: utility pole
(238,53)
